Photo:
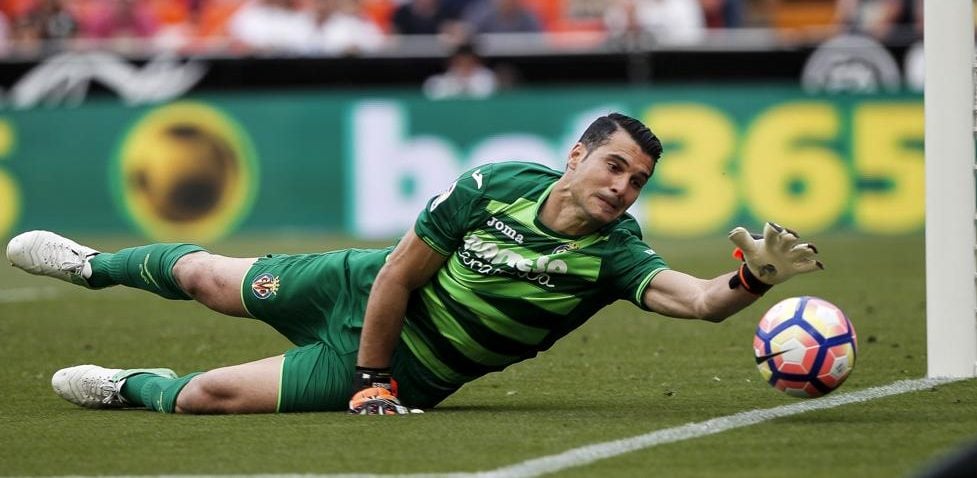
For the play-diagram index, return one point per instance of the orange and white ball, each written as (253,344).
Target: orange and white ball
(805,346)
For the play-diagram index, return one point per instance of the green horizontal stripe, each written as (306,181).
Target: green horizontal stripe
(502,285)
(529,315)
(501,324)
(426,356)
(488,338)
(495,207)
(507,334)
(456,334)
(524,211)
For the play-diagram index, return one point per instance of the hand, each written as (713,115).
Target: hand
(774,257)
(377,401)
(376,393)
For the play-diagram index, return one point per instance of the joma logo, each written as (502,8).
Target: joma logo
(505,229)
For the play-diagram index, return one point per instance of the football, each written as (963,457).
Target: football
(805,346)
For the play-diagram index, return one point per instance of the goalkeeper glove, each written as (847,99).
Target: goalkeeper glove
(770,259)
(376,401)
(376,394)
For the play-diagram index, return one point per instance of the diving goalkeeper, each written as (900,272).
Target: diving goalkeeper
(501,265)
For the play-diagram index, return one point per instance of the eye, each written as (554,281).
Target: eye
(638,184)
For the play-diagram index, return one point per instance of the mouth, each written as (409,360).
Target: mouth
(608,204)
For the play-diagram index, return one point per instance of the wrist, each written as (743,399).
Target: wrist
(745,278)
(369,377)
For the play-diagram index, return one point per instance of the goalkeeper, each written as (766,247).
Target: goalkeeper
(509,259)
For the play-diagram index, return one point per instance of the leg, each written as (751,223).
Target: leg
(172,271)
(315,376)
(247,388)
(214,280)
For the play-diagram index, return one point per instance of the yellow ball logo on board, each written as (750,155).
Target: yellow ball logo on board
(186,171)
(10,203)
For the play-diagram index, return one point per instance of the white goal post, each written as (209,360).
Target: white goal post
(951,215)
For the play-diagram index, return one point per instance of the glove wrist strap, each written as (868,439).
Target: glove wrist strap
(745,278)
(366,377)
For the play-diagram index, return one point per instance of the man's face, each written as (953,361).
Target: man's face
(606,181)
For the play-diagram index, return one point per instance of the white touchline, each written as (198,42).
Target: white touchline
(591,453)
(588,454)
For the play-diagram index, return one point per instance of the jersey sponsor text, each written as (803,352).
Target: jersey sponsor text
(488,258)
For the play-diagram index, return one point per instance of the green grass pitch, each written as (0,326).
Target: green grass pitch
(625,373)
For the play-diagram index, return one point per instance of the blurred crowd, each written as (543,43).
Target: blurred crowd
(32,28)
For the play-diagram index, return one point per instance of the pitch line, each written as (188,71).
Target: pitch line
(586,455)
(591,453)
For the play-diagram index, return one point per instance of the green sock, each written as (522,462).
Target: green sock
(148,268)
(153,391)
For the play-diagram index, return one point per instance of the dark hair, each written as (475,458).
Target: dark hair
(600,131)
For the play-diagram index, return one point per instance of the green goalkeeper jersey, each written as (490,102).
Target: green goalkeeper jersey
(511,287)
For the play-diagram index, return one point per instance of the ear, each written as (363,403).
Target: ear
(577,154)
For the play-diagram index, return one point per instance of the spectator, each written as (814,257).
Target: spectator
(502,16)
(671,22)
(889,21)
(48,26)
(466,76)
(271,26)
(206,26)
(120,19)
(25,37)
(6,35)
(180,26)
(341,29)
(422,17)
(722,13)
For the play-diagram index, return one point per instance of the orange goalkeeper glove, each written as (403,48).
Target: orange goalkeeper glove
(376,401)
(376,394)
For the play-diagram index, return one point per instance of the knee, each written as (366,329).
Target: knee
(204,394)
(192,273)
(226,390)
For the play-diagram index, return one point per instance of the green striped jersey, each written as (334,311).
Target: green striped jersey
(511,287)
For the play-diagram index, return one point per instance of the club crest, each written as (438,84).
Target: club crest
(570,246)
(265,286)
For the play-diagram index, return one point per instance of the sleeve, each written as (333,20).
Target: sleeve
(632,265)
(448,216)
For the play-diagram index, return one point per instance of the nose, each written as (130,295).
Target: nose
(619,185)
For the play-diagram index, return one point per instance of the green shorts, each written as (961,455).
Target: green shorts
(317,301)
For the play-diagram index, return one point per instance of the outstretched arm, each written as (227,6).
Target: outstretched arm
(677,294)
(769,259)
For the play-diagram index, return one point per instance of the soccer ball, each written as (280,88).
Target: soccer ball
(805,346)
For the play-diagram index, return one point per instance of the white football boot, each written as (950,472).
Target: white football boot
(91,386)
(48,254)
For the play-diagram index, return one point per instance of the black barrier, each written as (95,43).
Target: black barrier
(66,70)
